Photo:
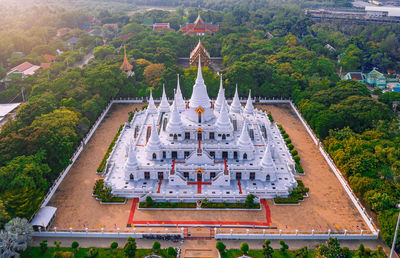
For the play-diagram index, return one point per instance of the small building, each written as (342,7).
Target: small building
(199,27)
(126,36)
(357,76)
(330,48)
(49,58)
(161,26)
(43,218)
(268,35)
(23,69)
(96,32)
(201,51)
(376,79)
(72,42)
(113,26)
(62,32)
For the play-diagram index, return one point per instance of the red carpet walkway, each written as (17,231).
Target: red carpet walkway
(240,186)
(159,186)
(182,222)
(267,211)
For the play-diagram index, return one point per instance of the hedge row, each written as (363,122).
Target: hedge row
(103,162)
(295,196)
(167,205)
(292,150)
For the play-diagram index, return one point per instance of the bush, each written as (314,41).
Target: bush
(295,196)
(75,245)
(244,247)
(130,247)
(296,159)
(299,168)
(149,201)
(113,245)
(285,135)
(288,141)
(284,246)
(92,252)
(290,146)
(104,161)
(43,246)
(293,152)
(250,200)
(221,247)
(156,246)
(270,117)
(171,251)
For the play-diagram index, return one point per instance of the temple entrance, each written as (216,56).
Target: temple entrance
(199,136)
(147,175)
(238,175)
(160,175)
(199,176)
(199,117)
(235,155)
(252,175)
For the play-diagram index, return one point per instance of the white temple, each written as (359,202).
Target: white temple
(198,149)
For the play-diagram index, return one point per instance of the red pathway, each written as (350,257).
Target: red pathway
(240,186)
(159,186)
(199,184)
(182,222)
(267,211)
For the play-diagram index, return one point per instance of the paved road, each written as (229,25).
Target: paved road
(85,59)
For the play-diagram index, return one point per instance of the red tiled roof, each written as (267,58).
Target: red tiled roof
(22,67)
(356,76)
(157,26)
(45,65)
(126,36)
(49,58)
(112,25)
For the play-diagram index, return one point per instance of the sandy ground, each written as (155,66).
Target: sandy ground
(75,205)
(328,206)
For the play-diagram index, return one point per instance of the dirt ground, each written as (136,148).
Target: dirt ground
(328,206)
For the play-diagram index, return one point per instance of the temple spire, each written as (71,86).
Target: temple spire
(223,124)
(178,98)
(175,125)
(267,160)
(221,96)
(164,105)
(154,142)
(151,108)
(249,108)
(236,107)
(244,142)
(131,162)
(126,66)
(199,94)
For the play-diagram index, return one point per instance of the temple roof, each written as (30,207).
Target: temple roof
(164,105)
(199,95)
(198,49)
(151,108)
(236,107)
(126,66)
(199,20)
(249,108)
(221,97)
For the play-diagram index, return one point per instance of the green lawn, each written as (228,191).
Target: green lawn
(259,254)
(82,252)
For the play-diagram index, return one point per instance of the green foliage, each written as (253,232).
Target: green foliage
(295,196)
(220,247)
(130,247)
(301,253)
(75,246)
(156,246)
(331,249)
(244,247)
(109,150)
(171,251)
(43,246)
(250,200)
(113,245)
(284,246)
(267,249)
(149,201)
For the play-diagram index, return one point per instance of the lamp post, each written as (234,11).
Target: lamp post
(395,232)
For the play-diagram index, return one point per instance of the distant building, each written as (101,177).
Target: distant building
(49,58)
(72,42)
(161,26)
(376,79)
(62,32)
(126,67)
(114,26)
(45,65)
(201,51)
(330,48)
(23,69)
(199,27)
(268,35)
(357,76)
(96,32)
(124,37)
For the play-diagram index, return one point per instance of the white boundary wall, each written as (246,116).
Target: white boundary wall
(328,159)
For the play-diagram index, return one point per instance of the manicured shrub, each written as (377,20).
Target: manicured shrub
(284,246)
(290,146)
(104,161)
(270,117)
(171,251)
(296,159)
(130,247)
(156,246)
(113,245)
(149,201)
(288,141)
(299,168)
(75,245)
(293,152)
(43,246)
(285,136)
(250,200)
(221,247)
(244,247)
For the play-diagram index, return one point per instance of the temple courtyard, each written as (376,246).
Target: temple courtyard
(328,206)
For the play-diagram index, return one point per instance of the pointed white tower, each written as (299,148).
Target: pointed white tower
(249,108)
(223,124)
(267,161)
(164,105)
(154,145)
(131,164)
(175,125)
(179,98)
(199,94)
(236,107)
(220,98)
(151,108)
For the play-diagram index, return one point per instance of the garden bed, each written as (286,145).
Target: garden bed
(295,196)
(100,169)
(103,194)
